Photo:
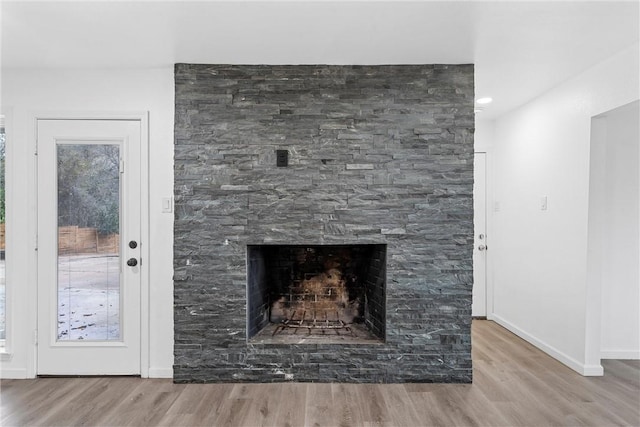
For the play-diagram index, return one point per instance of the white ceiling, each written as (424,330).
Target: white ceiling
(520,48)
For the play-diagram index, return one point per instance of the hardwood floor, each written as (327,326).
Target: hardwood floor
(514,385)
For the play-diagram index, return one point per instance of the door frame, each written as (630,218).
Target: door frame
(490,212)
(143,118)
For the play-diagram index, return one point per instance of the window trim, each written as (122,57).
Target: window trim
(6,344)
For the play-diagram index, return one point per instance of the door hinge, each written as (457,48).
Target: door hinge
(35,337)
(121,166)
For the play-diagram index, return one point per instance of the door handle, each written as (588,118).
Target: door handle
(482,248)
(132,262)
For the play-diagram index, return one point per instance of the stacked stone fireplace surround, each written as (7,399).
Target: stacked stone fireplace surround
(378,155)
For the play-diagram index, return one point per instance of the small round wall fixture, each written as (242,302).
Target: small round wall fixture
(484,100)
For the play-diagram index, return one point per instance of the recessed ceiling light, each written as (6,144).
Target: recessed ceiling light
(484,100)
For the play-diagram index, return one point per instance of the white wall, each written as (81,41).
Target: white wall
(26,92)
(484,134)
(616,198)
(539,256)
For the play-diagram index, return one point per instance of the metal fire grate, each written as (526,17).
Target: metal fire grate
(312,322)
(316,303)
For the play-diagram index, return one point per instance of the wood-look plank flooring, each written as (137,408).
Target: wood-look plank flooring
(514,384)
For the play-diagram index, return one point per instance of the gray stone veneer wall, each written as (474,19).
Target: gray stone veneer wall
(377,154)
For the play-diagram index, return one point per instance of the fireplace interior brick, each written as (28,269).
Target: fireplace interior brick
(345,303)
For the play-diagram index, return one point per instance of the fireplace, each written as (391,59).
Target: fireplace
(323,223)
(316,293)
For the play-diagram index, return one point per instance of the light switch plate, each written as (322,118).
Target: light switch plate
(167,204)
(543,203)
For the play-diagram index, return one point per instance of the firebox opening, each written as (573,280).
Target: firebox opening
(316,293)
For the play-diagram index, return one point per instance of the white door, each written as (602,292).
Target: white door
(89,204)
(479,304)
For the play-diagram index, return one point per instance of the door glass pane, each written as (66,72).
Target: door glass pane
(88,242)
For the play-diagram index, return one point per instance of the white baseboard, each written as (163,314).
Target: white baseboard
(620,354)
(582,369)
(19,374)
(590,370)
(13,374)
(160,372)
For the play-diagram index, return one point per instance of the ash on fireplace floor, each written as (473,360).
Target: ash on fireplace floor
(359,335)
